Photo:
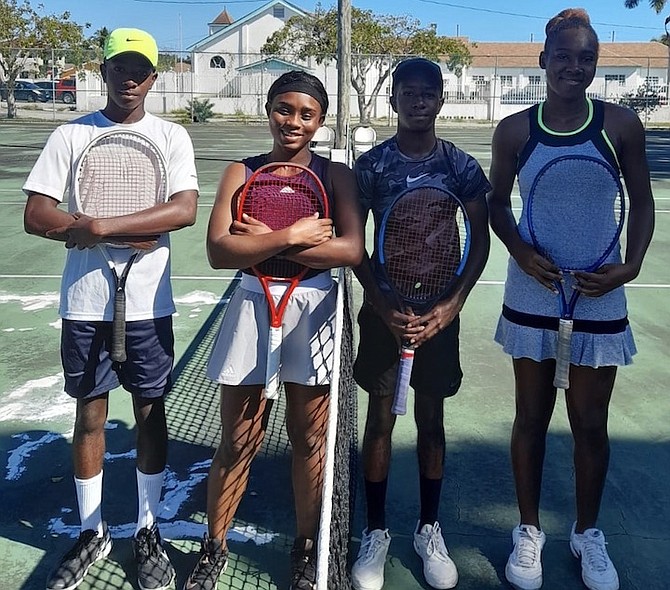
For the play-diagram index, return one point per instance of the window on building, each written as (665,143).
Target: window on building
(278,11)
(535,80)
(479,80)
(619,79)
(217,63)
(652,81)
(506,80)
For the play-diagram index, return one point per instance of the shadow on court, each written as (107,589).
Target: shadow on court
(478,511)
(478,507)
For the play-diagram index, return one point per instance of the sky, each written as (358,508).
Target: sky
(178,24)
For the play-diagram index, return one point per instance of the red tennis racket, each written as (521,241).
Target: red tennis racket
(279,194)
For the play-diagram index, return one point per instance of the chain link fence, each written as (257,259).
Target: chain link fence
(235,85)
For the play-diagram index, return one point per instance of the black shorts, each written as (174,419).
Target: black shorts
(89,370)
(436,370)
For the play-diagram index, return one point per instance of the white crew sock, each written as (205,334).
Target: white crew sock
(89,500)
(149,488)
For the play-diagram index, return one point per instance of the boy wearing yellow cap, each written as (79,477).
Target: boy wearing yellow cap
(129,72)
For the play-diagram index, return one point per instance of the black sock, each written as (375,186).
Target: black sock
(375,499)
(430,500)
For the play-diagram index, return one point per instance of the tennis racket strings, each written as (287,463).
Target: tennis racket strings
(279,197)
(120,173)
(425,236)
(576,211)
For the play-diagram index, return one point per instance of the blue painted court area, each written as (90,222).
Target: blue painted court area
(39,520)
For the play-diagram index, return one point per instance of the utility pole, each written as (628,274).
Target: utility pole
(343,72)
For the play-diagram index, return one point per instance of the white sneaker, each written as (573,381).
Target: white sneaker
(368,570)
(598,571)
(524,566)
(438,569)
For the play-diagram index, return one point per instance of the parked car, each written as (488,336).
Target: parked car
(66,89)
(46,86)
(24,90)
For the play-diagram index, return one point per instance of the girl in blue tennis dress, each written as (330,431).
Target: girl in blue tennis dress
(567,123)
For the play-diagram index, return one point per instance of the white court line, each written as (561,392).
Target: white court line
(222,277)
(200,204)
(235,277)
(628,285)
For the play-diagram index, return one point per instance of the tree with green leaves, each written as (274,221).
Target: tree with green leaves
(24,29)
(378,42)
(99,38)
(657,5)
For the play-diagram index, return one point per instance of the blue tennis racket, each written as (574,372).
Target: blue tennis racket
(575,215)
(423,245)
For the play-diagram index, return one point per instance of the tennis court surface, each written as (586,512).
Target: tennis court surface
(38,519)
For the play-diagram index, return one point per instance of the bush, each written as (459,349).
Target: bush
(645,98)
(200,110)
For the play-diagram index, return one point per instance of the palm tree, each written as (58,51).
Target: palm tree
(657,5)
(99,37)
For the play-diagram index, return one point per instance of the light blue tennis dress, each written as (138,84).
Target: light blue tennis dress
(529,321)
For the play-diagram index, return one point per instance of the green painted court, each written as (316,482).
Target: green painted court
(38,517)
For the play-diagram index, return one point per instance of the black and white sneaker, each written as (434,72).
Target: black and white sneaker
(154,570)
(74,565)
(211,564)
(303,565)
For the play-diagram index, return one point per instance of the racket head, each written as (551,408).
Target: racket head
(575,212)
(279,194)
(120,172)
(423,245)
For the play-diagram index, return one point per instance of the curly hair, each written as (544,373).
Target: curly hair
(570,18)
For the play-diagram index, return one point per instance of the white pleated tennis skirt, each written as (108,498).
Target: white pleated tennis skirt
(239,352)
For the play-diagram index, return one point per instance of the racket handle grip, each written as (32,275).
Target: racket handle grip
(402,382)
(118,352)
(563,354)
(271,390)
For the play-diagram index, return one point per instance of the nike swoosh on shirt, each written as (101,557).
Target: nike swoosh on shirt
(411,179)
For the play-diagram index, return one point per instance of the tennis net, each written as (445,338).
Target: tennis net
(339,485)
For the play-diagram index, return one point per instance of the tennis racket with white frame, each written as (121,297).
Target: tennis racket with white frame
(120,172)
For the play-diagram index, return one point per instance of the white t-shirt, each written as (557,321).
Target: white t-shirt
(87,284)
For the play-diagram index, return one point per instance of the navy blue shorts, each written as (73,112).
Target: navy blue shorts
(89,370)
(436,371)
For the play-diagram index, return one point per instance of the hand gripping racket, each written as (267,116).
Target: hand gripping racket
(423,244)
(575,215)
(120,172)
(279,194)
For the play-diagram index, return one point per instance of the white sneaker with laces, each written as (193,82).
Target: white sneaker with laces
(367,572)
(524,566)
(438,568)
(598,571)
